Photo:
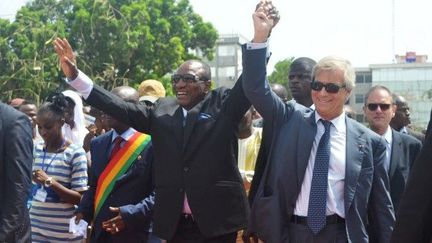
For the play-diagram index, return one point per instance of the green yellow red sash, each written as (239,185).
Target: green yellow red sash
(117,166)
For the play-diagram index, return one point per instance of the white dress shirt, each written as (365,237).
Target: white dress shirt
(336,174)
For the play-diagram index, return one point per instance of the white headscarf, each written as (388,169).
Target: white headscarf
(77,134)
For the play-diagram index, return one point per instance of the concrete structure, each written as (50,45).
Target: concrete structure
(411,79)
(226,67)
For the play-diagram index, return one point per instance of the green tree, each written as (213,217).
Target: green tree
(117,42)
(280,72)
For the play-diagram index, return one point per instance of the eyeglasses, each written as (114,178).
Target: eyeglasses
(373,107)
(331,88)
(187,78)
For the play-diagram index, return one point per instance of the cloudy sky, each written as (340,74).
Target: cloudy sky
(362,31)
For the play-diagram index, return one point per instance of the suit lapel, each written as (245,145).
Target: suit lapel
(307,136)
(106,145)
(190,122)
(177,124)
(395,151)
(355,144)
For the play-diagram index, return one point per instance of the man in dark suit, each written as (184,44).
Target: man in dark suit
(414,216)
(299,81)
(401,119)
(325,171)
(125,215)
(16,158)
(401,149)
(199,191)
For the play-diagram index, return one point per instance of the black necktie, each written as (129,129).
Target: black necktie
(316,218)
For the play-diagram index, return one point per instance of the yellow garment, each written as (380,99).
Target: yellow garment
(248,152)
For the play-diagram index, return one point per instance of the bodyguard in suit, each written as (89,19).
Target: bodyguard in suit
(401,120)
(401,149)
(199,191)
(414,216)
(125,214)
(16,158)
(325,171)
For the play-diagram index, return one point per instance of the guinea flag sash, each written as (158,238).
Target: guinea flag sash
(117,166)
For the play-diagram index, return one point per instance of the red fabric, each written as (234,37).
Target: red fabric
(116,148)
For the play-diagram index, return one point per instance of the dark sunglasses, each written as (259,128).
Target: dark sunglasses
(373,107)
(187,78)
(330,87)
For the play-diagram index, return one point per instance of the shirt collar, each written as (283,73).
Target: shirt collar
(184,112)
(338,122)
(388,135)
(126,135)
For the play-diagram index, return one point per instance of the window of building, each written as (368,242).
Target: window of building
(227,73)
(359,78)
(368,78)
(226,50)
(359,98)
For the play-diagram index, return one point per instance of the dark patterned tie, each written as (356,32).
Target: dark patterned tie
(116,148)
(316,218)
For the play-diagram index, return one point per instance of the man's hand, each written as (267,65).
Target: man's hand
(265,19)
(115,224)
(66,57)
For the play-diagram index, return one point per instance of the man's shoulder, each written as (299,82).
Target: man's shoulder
(101,138)
(408,139)
(9,113)
(362,129)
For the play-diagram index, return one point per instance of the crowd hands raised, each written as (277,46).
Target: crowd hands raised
(245,165)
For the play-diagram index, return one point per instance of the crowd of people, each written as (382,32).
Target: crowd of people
(215,165)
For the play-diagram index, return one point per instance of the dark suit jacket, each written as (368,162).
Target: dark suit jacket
(294,130)
(414,216)
(132,192)
(16,158)
(404,151)
(199,159)
(420,136)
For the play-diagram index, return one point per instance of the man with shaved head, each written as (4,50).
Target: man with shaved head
(124,215)
(300,78)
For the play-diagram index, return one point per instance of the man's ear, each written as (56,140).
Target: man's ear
(207,86)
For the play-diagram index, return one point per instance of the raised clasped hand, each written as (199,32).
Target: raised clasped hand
(265,18)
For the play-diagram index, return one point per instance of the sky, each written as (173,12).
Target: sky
(361,31)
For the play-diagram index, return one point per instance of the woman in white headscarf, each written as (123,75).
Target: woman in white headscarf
(74,127)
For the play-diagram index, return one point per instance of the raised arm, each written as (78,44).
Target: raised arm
(255,84)
(135,115)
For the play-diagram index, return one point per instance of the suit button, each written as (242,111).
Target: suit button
(186,169)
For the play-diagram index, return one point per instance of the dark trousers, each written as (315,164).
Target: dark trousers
(332,233)
(188,232)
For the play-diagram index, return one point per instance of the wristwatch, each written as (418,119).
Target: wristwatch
(48,182)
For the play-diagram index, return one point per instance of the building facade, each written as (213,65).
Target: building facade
(226,67)
(413,80)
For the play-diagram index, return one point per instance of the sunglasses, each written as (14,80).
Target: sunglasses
(187,78)
(331,88)
(373,107)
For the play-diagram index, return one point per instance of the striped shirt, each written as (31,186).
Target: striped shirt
(50,219)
